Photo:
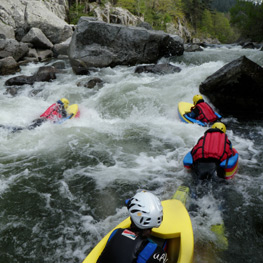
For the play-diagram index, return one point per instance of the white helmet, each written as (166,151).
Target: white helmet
(145,210)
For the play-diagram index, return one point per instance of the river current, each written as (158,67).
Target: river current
(63,187)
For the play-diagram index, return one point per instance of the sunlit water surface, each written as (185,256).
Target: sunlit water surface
(62,187)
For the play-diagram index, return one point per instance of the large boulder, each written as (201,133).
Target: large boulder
(236,89)
(7,31)
(12,13)
(61,48)
(49,16)
(37,38)
(54,28)
(8,66)
(44,74)
(98,44)
(11,47)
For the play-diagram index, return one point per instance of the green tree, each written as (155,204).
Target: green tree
(76,10)
(129,5)
(222,28)
(223,5)
(248,17)
(207,25)
(193,10)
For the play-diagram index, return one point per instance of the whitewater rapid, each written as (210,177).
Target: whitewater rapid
(63,187)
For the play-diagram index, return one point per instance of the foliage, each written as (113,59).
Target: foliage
(216,25)
(137,7)
(223,5)
(248,17)
(205,21)
(155,12)
(76,10)
(207,24)
(222,28)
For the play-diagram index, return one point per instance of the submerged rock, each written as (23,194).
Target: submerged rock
(158,69)
(44,74)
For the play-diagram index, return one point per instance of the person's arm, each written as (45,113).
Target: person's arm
(193,113)
(36,123)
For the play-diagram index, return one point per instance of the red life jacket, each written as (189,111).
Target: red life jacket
(206,113)
(214,144)
(53,112)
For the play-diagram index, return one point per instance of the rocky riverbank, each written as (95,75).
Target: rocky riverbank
(33,31)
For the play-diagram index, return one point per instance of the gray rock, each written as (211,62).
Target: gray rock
(43,55)
(145,25)
(49,16)
(32,53)
(236,89)
(61,48)
(7,30)
(91,83)
(39,16)
(249,45)
(36,37)
(158,69)
(27,60)
(59,65)
(20,32)
(8,66)
(13,48)
(44,74)
(192,48)
(20,81)
(98,44)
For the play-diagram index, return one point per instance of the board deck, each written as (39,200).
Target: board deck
(72,112)
(229,165)
(184,108)
(176,228)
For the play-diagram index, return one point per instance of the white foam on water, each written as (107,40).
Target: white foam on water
(128,131)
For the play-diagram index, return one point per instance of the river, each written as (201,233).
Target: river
(63,187)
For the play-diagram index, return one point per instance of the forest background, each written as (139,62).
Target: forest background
(228,21)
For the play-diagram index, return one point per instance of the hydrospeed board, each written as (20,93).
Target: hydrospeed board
(176,228)
(72,112)
(229,165)
(184,108)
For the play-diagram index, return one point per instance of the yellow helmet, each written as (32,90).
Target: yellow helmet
(196,98)
(65,102)
(219,125)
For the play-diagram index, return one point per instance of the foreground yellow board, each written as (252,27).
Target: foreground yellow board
(176,228)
